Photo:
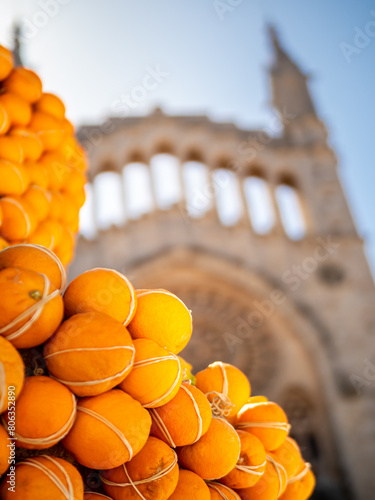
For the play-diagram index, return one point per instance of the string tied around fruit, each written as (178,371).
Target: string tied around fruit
(281,426)
(221,405)
(33,311)
(215,486)
(68,491)
(251,469)
(149,479)
(301,475)
(278,467)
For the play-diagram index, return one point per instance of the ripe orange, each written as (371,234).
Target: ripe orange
(44,478)
(225,386)
(162,317)
(151,474)
(270,486)
(31,145)
(30,307)
(4,120)
(301,486)
(90,353)
(289,456)
(48,128)
(25,83)
(35,258)
(45,412)
(267,421)
(109,430)
(19,220)
(12,373)
(102,290)
(215,454)
(250,465)
(18,110)
(191,486)
(39,199)
(6,62)
(156,375)
(184,420)
(52,105)
(11,149)
(14,178)
(4,450)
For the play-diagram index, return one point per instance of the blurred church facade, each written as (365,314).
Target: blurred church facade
(254,233)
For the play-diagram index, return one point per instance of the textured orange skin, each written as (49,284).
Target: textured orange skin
(302,489)
(180,417)
(18,110)
(6,62)
(24,83)
(289,456)
(252,453)
(5,122)
(155,456)
(33,484)
(102,290)
(4,450)
(149,383)
(49,129)
(14,178)
(264,412)
(16,284)
(11,149)
(42,236)
(215,454)
(52,105)
(162,317)
(30,143)
(92,330)
(211,379)
(33,258)
(19,220)
(38,173)
(214,495)
(39,200)
(267,488)
(43,408)
(190,485)
(94,444)
(13,367)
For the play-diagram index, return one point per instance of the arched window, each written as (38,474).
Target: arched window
(109,199)
(166,178)
(198,191)
(137,190)
(228,196)
(86,215)
(290,211)
(259,202)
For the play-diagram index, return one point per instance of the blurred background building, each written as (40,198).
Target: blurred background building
(254,233)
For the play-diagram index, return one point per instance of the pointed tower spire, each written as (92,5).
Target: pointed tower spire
(17,47)
(291,96)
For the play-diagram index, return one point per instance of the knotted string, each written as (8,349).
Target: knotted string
(221,404)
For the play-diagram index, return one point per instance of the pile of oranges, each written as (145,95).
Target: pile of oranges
(42,166)
(116,413)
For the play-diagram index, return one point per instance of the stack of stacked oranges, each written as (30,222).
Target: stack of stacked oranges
(117,402)
(42,166)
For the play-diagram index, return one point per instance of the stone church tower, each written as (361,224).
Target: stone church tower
(280,286)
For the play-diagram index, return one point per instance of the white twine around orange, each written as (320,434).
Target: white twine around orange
(130,287)
(68,491)
(3,387)
(53,257)
(252,469)
(151,361)
(109,424)
(281,426)
(22,210)
(278,467)
(301,475)
(150,479)
(215,486)
(52,438)
(221,405)
(93,382)
(34,311)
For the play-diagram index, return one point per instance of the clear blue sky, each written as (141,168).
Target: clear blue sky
(91,52)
